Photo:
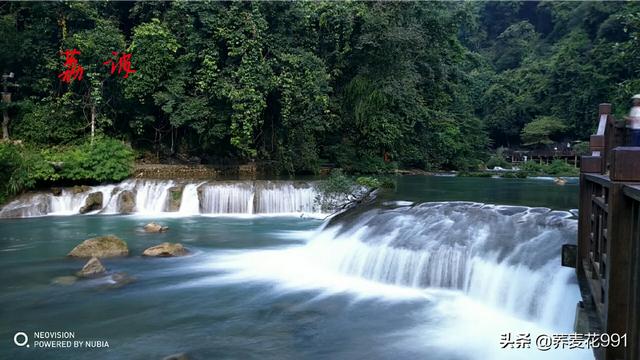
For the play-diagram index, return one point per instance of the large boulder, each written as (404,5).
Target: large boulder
(92,203)
(166,250)
(155,228)
(126,202)
(174,198)
(101,247)
(56,191)
(93,268)
(27,205)
(560,181)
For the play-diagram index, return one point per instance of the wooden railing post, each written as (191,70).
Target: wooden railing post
(618,252)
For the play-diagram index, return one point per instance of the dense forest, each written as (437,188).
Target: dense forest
(364,86)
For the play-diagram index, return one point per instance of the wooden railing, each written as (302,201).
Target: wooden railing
(609,235)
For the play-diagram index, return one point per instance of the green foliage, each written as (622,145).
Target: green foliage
(515,175)
(49,121)
(582,148)
(339,190)
(101,160)
(11,177)
(540,130)
(561,168)
(546,64)
(483,174)
(533,168)
(367,86)
(368,181)
(336,183)
(555,168)
(25,167)
(497,161)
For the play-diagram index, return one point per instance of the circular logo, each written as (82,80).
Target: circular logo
(21,336)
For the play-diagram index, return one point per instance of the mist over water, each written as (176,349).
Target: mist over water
(392,280)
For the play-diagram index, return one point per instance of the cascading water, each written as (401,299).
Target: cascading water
(227,198)
(287,198)
(155,196)
(189,204)
(504,257)
(67,203)
(151,196)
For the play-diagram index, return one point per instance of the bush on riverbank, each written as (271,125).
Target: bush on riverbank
(555,168)
(531,168)
(24,166)
(340,190)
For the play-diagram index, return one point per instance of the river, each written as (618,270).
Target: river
(431,271)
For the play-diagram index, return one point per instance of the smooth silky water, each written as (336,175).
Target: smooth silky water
(392,281)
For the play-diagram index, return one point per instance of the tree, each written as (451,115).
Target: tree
(541,129)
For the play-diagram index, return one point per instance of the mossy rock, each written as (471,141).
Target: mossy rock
(166,250)
(92,203)
(175,198)
(100,247)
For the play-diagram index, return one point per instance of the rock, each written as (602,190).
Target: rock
(126,202)
(174,198)
(80,189)
(93,268)
(101,247)
(56,191)
(26,206)
(64,280)
(155,228)
(560,181)
(92,203)
(166,250)
(179,356)
(120,279)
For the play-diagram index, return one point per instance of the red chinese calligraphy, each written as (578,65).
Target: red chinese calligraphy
(73,69)
(122,63)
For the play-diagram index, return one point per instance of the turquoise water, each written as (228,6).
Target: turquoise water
(524,192)
(252,288)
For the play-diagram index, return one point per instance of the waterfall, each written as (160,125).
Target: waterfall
(505,256)
(227,198)
(189,204)
(67,203)
(286,198)
(153,197)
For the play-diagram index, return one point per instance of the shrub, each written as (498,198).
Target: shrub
(24,167)
(496,160)
(475,174)
(557,168)
(533,168)
(368,181)
(103,160)
(561,168)
(11,181)
(515,175)
(388,183)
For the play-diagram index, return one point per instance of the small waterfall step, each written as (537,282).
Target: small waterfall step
(167,196)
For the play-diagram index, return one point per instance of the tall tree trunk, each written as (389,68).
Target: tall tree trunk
(6,98)
(93,122)
(5,125)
